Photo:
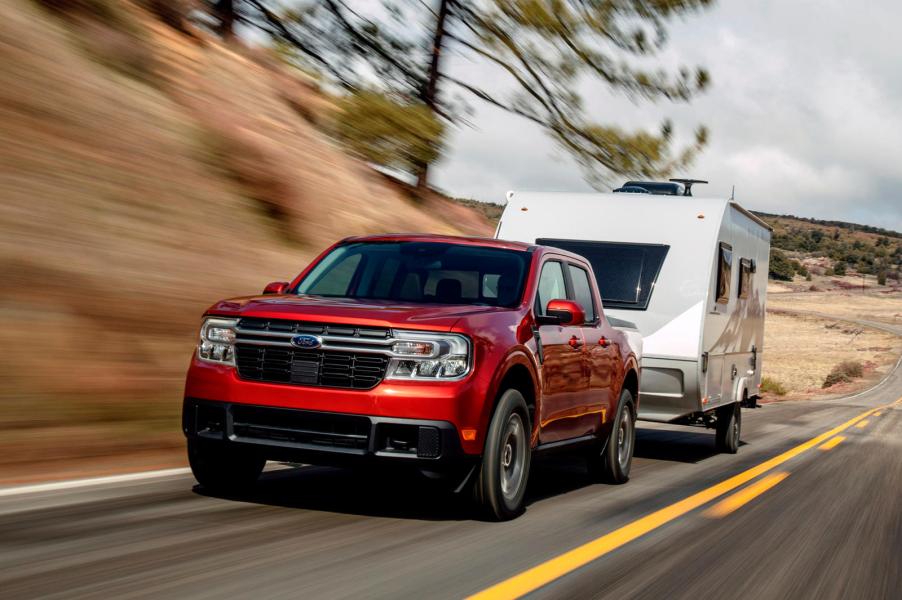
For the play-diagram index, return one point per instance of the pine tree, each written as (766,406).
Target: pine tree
(545,50)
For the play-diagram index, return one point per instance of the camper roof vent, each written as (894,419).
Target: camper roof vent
(675,187)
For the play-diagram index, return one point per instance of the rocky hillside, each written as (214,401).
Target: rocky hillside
(147,170)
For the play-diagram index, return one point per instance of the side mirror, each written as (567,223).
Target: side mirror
(563,312)
(276,287)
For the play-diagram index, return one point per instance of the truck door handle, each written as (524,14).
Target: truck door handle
(575,342)
(604,342)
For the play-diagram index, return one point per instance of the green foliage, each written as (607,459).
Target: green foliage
(839,268)
(878,250)
(489,210)
(780,268)
(772,386)
(388,132)
(881,278)
(543,50)
(844,372)
(799,267)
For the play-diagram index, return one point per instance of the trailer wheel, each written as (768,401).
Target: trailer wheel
(221,469)
(613,461)
(729,426)
(500,485)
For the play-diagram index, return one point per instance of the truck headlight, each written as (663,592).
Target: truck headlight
(217,340)
(426,355)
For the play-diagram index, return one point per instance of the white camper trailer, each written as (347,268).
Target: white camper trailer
(689,272)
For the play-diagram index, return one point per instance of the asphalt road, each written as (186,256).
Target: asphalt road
(689,524)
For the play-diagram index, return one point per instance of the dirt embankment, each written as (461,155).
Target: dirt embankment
(145,172)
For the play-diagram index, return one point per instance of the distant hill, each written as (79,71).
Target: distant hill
(149,170)
(836,245)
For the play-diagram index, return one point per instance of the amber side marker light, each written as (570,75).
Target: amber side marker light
(468,434)
(701,216)
(524,209)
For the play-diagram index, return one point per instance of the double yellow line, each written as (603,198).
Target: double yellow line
(534,578)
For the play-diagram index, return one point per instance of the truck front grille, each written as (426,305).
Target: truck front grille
(310,367)
(350,357)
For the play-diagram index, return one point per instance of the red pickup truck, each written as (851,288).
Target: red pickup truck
(459,356)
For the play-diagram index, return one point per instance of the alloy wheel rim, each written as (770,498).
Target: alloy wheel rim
(513,457)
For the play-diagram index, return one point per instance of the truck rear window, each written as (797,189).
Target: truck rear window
(626,273)
(420,272)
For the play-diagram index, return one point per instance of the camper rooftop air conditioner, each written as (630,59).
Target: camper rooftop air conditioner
(675,187)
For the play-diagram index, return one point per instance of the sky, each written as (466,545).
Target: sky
(804,112)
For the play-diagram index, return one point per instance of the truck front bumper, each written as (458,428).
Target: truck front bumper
(324,438)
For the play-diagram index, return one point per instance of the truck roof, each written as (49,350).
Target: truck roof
(463,240)
(448,239)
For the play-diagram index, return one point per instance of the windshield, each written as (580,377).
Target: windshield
(427,272)
(626,273)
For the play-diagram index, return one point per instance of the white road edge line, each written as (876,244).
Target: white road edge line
(78,483)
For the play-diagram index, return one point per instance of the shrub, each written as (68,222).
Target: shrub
(881,278)
(772,386)
(780,268)
(844,372)
(839,268)
(388,131)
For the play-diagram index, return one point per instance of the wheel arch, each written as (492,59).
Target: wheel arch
(631,383)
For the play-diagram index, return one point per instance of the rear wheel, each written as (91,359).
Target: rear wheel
(222,469)
(612,464)
(500,486)
(729,427)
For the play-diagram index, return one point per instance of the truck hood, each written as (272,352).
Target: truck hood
(345,310)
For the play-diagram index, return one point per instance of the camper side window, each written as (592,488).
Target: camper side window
(745,277)
(724,273)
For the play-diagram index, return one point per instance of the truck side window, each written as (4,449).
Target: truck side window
(745,277)
(724,272)
(551,286)
(582,291)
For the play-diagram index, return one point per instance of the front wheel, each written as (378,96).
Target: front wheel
(500,486)
(222,469)
(728,428)
(612,464)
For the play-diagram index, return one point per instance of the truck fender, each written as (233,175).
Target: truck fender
(516,358)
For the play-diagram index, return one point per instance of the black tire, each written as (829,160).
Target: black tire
(222,469)
(729,428)
(611,462)
(500,485)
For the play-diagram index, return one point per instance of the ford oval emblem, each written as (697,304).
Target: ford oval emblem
(307,342)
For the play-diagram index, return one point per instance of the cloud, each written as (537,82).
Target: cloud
(803,113)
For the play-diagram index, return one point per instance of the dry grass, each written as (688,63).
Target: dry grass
(883,307)
(800,351)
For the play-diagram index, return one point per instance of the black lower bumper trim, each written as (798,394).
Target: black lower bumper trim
(323,438)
